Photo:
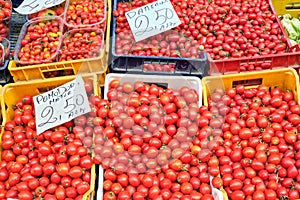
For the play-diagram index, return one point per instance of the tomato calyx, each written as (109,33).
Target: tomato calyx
(185,168)
(284,198)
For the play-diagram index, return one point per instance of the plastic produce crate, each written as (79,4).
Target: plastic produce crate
(98,24)
(12,92)
(4,73)
(275,61)
(24,33)
(17,21)
(4,61)
(272,61)
(121,63)
(91,65)
(175,82)
(284,79)
(75,51)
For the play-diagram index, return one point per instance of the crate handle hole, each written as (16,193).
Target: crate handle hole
(291,6)
(251,82)
(58,73)
(45,89)
(162,85)
(256,62)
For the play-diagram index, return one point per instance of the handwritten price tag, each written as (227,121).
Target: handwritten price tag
(60,105)
(33,6)
(152,19)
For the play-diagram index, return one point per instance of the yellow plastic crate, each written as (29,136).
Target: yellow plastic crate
(284,79)
(225,196)
(0,104)
(291,7)
(12,92)
(91,65)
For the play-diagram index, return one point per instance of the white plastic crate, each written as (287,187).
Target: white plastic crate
(175,82)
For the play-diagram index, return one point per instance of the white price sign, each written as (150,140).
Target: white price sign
(152,19)
(60,105)
(33,6)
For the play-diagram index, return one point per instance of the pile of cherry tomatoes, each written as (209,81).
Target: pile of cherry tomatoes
(81,13)
(246,140)
(159,143)
(145,143)
(259,155)
(223,28)
(55,165)
(5,17)
(43,40)
(81,44)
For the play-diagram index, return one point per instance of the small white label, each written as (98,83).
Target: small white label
(217,194)
(60,105)
(33,6)
(152,19)
(11,199)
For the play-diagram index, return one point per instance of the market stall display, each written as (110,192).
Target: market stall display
(192,100)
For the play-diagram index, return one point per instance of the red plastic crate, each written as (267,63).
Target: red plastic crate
(274,61)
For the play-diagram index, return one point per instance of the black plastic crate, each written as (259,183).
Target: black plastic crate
(132,63)
(17,21)
(5,76)
(16,3)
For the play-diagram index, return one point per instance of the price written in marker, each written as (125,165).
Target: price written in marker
(60,105)
(33,6)
(152,19)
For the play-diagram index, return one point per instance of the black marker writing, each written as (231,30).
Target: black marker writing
(48,114)
(164,14)
(48,2)
(69,107)
(141,21)
(31,5)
